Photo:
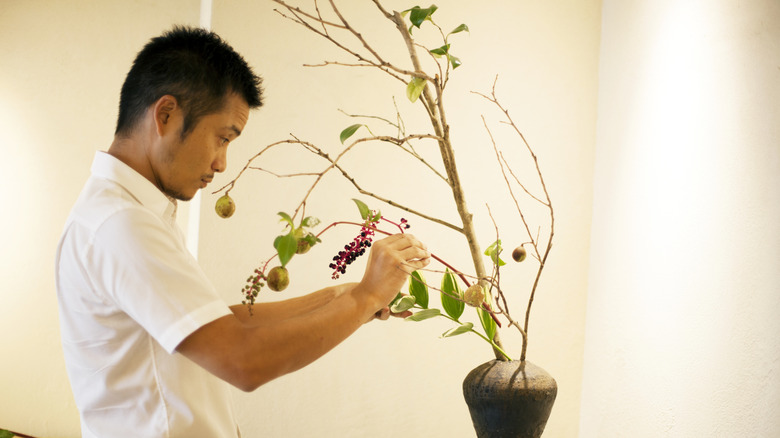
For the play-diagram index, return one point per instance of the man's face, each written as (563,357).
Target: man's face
(187,165)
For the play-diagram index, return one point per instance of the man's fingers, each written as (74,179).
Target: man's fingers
(414,253)
(400,242)
(410,248)
(410,266)
(404,314)
(383,314)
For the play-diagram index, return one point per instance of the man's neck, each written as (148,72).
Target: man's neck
(133,153)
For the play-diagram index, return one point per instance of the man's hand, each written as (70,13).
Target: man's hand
(390,262)
(385,314)
(239,353)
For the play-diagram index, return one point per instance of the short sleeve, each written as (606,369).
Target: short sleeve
(150,275)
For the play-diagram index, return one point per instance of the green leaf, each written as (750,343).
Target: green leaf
(365,212)
(286,218)
(424,314)
(405,303)
(487,323)
(418,15)
(418,289)
(492,247)
(493,251)
(451,294)
(455,61)
(415,89)
(348,132)
(441,51)
(459,330)
(310,222)
(286,245)
(312,239)
(460,28)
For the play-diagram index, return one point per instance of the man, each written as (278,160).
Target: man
(148,342)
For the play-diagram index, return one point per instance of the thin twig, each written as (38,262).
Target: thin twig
(509,186)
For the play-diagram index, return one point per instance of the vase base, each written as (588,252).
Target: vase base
(509,399)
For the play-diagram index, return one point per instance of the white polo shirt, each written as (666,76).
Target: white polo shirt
(129,292)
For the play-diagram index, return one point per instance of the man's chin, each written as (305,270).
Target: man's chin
(179,196)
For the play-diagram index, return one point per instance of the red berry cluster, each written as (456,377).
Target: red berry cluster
(352,251)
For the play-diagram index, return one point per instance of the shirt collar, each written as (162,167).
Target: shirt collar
(147,194)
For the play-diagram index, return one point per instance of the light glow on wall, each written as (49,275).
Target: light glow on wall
(686,193)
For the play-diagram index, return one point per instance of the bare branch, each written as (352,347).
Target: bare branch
(319,16)
(405,141)
(379,63)
(386,200)
(229,186)
(517,181)
(511,192)
(357,35)
(286,175)
(298,12)
(344,64)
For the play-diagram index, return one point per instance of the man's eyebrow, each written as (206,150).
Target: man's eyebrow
(235,129)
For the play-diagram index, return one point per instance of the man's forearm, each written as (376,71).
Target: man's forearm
(273,312)
(250,355)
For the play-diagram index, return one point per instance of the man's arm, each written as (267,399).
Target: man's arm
(270,313)
(273,312)
(249,355)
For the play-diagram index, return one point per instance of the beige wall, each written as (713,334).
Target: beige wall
(62,67)
(63,64)
(682,333)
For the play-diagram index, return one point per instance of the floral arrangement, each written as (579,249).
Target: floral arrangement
(476,287)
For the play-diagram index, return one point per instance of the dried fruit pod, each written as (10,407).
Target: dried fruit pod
(519,254)
(225,207)
(474,295)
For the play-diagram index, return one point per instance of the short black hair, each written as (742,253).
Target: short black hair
(191,64)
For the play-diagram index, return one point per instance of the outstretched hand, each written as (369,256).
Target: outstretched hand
(390,262)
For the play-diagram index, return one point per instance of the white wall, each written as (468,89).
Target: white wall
(397,376)
(63,64)
(682,333)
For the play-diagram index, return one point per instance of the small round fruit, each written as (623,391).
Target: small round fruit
(519,254)
(474,295)
(303,246)
(277,279)
(225,206)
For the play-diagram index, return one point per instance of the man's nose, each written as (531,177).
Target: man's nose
(220,162)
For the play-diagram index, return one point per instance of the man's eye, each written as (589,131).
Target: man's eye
(225,140)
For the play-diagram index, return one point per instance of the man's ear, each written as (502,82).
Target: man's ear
(165,110)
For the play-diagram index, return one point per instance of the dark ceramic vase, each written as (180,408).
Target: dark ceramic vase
(509,399)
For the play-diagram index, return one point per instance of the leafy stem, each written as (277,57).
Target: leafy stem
(483,337)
